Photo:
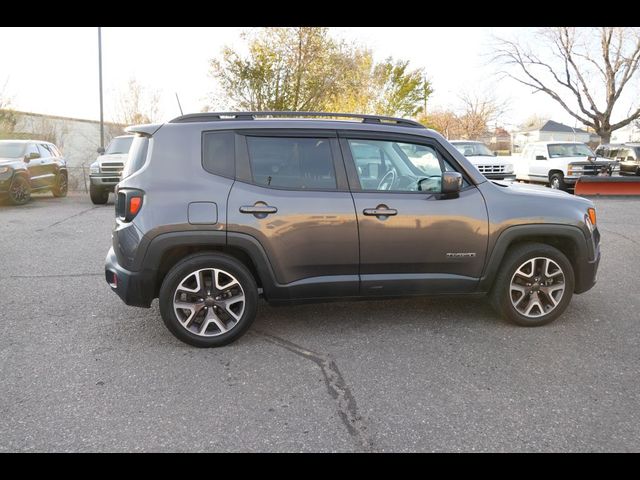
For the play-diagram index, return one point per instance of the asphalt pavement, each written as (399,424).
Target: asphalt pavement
(81,371)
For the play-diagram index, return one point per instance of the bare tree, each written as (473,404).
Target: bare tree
(586,72)
(7,115)
(137,105)
(477,113)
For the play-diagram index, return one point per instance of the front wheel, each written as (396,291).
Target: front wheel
(534,286)
(556,181)
(99,196)
(19,191)
(208,300)
(61,187)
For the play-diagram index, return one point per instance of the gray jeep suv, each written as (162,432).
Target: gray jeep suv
(215,210)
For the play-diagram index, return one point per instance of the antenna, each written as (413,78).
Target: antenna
(179,106)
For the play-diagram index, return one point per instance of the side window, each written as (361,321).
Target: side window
(219,153)
(397,166)
(297,163)
(622,154)
(45,151)
(31,148)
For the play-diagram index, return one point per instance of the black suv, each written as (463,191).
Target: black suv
(627,155)
(31,165)
(217,209)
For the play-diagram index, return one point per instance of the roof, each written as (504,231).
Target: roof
(551,126)
(23,140)
(465,141)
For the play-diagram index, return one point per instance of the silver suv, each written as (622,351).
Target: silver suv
(217,209)
(104,173)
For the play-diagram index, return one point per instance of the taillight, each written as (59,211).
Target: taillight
(128,204)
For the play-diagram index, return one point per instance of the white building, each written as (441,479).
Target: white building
(550,131)
(629,133)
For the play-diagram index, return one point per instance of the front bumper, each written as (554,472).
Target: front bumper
(511,177)
(587,274)
(104,181)
(134,288)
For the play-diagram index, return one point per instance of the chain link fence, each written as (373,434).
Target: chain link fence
(79,178)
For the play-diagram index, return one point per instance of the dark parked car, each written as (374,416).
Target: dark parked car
(214,210)
(627,155)
(31,166)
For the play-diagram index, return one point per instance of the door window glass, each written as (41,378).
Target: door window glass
(398,166)
(296,163)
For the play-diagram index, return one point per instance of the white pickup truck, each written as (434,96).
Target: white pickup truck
(487,163)
(558,164)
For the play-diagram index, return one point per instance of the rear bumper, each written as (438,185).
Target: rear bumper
(134,288)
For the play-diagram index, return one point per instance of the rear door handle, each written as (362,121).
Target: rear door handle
(380,211)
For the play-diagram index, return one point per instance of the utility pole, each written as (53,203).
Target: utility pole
(100,74)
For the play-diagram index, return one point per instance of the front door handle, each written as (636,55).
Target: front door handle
(380,211)
(259,210)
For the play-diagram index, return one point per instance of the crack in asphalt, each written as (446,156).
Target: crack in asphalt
(620,235)
(57,275)
(67,218)
(336,386)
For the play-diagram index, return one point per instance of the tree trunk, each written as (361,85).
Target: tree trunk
(605,136)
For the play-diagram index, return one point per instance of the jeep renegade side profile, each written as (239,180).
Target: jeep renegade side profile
(217,209)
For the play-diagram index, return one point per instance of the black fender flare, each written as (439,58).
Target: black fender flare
(584,249)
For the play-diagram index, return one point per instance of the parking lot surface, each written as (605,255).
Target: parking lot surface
(81,371)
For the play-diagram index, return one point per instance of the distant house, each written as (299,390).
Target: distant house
(551,131)
(629,133)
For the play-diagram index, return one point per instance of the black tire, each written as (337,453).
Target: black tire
(200,261)
(19,191)
(61,187)
(99,196)
(501,297)
(556,181)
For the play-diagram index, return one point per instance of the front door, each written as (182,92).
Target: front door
(291,195)
(36,167)
(412,239)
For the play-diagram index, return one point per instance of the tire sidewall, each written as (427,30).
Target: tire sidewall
(514,263)
(20,178)
(98,196)
(197,262)
(57,191)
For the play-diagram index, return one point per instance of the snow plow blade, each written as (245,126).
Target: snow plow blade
(596,185)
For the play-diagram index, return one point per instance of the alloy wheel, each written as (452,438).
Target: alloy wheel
(209,302)
(537,287)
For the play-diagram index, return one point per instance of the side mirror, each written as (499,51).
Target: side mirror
(540,157)
(495,154)
(451,183)
(100,150)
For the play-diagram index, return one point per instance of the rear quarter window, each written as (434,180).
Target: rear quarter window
(137,156)
(218,153)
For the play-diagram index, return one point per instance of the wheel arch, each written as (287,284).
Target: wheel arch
(570,240)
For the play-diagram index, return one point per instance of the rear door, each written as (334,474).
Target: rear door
(291,195)
(412,239)
(48,164)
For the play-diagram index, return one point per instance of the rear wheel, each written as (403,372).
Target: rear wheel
(534,286)
(19,191)
(208,300)
(61,187)
(556,181)
(99,196)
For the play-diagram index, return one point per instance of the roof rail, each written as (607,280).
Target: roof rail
(218,116)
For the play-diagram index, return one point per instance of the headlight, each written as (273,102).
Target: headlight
(508,168)
(94,169)
(575,170)
(4,170)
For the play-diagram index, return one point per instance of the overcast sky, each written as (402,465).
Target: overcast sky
(55,70)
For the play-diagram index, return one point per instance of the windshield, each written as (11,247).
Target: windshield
(570,150)
(11,149)
(119,145)
(473,149)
